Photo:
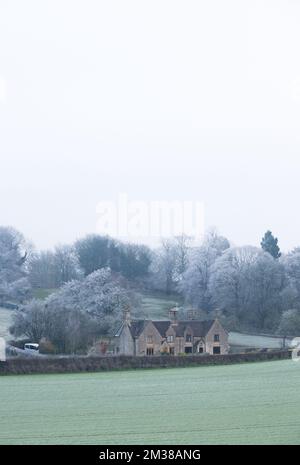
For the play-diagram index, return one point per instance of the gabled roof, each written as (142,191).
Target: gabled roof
(199,328)
(162,326)
(136,327)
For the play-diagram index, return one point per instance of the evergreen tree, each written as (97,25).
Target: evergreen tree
(270,244)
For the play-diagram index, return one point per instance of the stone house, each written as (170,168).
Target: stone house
(173,337)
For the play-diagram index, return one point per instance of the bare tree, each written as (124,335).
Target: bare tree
(49,269)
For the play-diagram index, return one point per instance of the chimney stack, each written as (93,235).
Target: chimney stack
(173,315)
(127,316)
(192,314)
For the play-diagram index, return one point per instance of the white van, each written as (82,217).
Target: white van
(32,348)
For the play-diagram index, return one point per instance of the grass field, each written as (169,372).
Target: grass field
(42,293)
(158,306)
(260,342)
(241,404)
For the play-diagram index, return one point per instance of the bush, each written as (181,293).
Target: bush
(47,348)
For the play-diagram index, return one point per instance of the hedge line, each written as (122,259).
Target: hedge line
(96,364)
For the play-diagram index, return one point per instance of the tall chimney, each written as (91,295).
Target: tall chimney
(173,315)
(191,314)
(127,315)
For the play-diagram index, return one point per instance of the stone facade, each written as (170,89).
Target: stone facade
(173,337)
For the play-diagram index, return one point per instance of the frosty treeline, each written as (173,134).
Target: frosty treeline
(96,278)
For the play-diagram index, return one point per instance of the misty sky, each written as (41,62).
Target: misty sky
(164,100)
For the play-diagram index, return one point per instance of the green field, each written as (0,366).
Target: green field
(240,404)
(42,293)
(260,342)
(156,307)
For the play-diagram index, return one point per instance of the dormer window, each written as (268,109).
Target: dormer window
(217,338)
(170,339)
(150,339)
(188,338)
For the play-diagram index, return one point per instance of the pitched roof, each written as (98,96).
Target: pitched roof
(199,328)
(136,327)
(162,326)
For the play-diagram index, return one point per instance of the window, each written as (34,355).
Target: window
(150,351)
(217,338)
(217,350)
(170,338)
(188,350)
(188,338)
(150,339)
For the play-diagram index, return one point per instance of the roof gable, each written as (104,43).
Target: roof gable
(198,328)
(162,327)
(136,327)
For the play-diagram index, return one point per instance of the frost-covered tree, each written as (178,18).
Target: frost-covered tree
(20,290)
(195,281)
(14,253)
(291,263)
(216,241)
(247,285)
(290,323)
(163,268)
(41,269)
(266,283)
(30,321)
(66,265)
(182,247)
(194,285)
(169,263)
(80,311)
(100,295)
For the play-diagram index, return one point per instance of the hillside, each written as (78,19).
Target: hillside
(157,306)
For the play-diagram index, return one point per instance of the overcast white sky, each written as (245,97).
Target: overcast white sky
(162,99)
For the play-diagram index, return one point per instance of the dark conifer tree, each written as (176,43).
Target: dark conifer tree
(270,244)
